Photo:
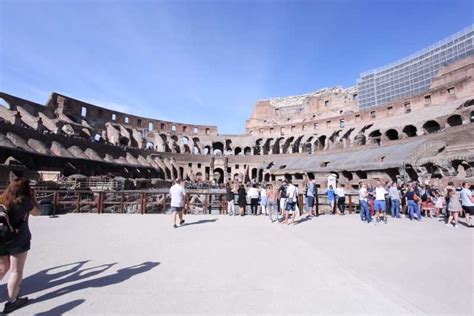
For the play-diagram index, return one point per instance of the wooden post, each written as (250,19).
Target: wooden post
(350,204)
(206,203)
(78,202)
(143,204)
(122,198)
(164,203)
(300,203)
(55,201)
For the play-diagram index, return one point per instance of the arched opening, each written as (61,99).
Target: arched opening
(321,142)
(471,117)
(361,174)
(287,144)
(258,147)
(253,174)
(237,151)
(392,134)
(206,150)
(347,175)
(260,175)
(247,151)
(149,145)
(185,140)
(4,103)
(218,148)
(296,144)
(454,120)
(431,127)
(196,150)
(276,146)
(186,148)
(266,146)
(375,136)
(410,130)
(218,175)
(267,177)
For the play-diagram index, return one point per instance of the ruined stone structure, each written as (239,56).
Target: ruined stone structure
(425,136)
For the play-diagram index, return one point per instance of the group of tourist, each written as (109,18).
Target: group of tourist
(376,200)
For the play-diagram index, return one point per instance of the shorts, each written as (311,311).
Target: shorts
(310,201)
(380,206)
(290,206)
(468,209)
(177,209)
(14,248)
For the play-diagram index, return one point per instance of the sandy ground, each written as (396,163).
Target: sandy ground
(139,264)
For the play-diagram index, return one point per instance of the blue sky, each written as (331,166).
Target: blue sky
(207,62)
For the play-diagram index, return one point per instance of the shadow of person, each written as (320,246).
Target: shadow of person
(202,221)
(61,309)
(119,276)
(302,220)
(48,278)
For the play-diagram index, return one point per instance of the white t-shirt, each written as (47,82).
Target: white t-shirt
(380,193)
(291,192)
(466,197)
(253,193)
(263,193)
(363,194)
(340,192)
(177,194)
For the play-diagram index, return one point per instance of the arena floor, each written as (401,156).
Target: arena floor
(138,264)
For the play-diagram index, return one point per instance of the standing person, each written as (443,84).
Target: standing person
(310,196)
(263,200)
(450,186)
(253,195)
(272,207)
(395,198)
(439,203)
(230,199)
(341,199)
(242,199)
(413,208)
(467,201)
(177,194)
(292,194)
(364,205)
(331,198)
(454,208)
(282,196)
(380,205)
(18,202)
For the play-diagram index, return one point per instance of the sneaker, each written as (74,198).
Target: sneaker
(18,303)
(447,225)
(182,222)
(455,226)
(175,226)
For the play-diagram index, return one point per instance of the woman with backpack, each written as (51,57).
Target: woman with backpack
(18,202)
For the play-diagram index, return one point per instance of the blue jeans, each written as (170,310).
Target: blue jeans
(395,208)
(413,208)
(380,206)
(365,211)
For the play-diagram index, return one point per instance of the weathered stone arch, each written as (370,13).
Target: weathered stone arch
(431,126)
(410,131)
(454,120)
(392,134)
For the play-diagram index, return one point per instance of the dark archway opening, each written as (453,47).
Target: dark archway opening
(431,127)
(392,134)
(454,120)
(410,130)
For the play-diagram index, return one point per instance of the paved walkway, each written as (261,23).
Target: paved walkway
(138,264)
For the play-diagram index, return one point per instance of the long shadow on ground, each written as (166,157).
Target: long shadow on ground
(47,279)
(202,221)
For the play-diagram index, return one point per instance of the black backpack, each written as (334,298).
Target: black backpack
(7,230)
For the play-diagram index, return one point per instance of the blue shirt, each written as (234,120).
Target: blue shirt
(330,194)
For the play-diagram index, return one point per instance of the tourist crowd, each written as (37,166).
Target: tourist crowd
(377,200)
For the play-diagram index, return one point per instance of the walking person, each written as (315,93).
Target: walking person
(242,199)
(292,194)
(282,197)
(310,196)
(454,208)
(272,206)
(230,200)
(380,205)
(394,194)
(364,204)
(178,195)
(439,203)
(18,202)
(263,200)
(331,195)
(467,201)
(341,199)
(253,195)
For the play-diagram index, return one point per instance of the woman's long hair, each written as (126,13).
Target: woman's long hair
(16,193)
